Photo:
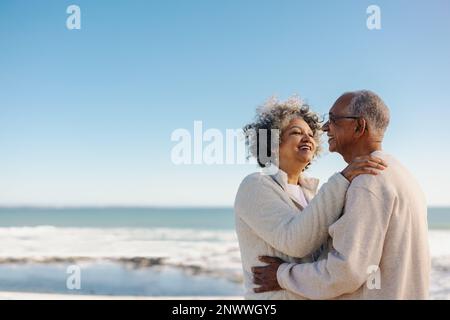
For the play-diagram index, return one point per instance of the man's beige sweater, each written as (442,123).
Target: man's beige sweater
(384,227)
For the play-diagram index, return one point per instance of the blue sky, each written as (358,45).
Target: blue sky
(86,115)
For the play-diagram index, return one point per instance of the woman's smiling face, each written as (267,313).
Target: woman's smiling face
(297,143)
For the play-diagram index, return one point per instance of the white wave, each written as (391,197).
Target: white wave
(440,273)
(215,251)
(126,242)
(439,243)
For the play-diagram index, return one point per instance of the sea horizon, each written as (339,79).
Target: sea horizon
(438,216)
(144,206)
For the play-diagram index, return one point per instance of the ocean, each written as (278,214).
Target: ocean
(146,251)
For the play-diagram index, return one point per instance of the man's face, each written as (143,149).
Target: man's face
(340,131)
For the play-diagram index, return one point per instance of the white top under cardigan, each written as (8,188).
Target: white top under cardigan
(296,191)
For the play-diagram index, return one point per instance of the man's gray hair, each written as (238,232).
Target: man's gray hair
(371,107)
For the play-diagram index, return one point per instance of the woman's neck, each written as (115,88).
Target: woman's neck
(293,172)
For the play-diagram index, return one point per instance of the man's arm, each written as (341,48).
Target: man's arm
(358,238)
(293,233)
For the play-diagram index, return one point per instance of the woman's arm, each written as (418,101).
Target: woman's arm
(295,234)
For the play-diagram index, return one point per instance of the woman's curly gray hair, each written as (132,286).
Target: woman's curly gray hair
(276,115)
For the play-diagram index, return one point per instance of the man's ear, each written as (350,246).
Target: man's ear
(361,126)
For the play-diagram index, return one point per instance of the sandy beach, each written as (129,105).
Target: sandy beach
(46,296)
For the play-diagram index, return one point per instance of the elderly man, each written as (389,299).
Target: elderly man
(378,248)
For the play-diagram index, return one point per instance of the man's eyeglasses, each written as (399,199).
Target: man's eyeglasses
(330,118)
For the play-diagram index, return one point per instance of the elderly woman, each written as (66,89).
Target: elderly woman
(276,214)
